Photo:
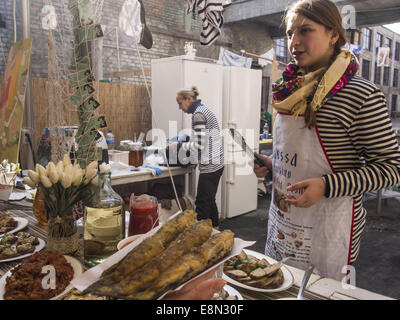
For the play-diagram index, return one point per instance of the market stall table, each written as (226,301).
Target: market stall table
(125,175)
(317,289)
(130,175)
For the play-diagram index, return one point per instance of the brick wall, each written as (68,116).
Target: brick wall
(166,19)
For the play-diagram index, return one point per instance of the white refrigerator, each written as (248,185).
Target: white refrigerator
(234,96)
(241,111)
(168,76)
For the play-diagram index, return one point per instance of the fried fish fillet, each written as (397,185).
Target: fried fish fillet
(190,265)
(193,236)
(151,246)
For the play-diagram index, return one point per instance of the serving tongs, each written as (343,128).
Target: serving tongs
(304,282)
(238,138)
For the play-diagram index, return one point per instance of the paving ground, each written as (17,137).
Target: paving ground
(378,264)
(396,123)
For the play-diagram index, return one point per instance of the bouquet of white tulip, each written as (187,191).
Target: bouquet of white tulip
(63,185)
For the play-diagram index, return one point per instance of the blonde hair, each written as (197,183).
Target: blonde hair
(188,93)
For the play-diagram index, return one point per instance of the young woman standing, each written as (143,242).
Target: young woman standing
(333,141)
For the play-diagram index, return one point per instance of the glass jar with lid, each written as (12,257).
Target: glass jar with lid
(136,154)
(143,214)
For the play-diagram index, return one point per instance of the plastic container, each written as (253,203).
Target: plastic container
(110,138)
(119,156)
(266,131)
(144,214)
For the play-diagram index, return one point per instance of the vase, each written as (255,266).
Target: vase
(62,233)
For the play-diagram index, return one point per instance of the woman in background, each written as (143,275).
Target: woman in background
(207,143)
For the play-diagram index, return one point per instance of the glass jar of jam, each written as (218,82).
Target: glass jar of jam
(135,154)
(143,214)
(39,208)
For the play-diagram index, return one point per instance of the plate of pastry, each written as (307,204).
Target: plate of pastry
(19,246)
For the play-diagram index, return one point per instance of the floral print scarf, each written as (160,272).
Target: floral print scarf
(290,93)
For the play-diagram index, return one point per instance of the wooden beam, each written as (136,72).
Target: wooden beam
(261,57)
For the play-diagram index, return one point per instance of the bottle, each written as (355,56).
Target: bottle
(44,149)
(110,140)
(103,144)
(39,208)
(104,222)
(266,131)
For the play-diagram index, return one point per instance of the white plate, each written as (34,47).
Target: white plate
(288,278)
(78,270)
(76,266)
(17,196)
(233,292)
(22,223)
(38,247)
(126,241)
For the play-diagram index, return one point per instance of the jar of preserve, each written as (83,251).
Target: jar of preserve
(39,208)
(136,154)
(143,214)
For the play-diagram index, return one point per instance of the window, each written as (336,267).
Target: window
(365,69)
(367,39)
(353,36)
(378,41)
(394,102)
(2,21)
(282,50)
(377,76)
(397,52)
(395,78)
(388,43)
(386,75)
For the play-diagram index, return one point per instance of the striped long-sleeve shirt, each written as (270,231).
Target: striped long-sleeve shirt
(206,141)
(358,138)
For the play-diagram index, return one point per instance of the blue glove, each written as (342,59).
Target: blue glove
(180,138)
(154,170)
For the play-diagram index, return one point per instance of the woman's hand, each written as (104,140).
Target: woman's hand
(202,288)
(314,190)
(261,172)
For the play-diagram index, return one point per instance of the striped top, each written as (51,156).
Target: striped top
(358,138)
(206,140)
(210,12)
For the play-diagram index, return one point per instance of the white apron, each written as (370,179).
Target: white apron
(319,235)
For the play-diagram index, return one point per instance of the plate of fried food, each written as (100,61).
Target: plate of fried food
(9,224)
(19,246)
(255,271)
(46,275)
(164,259)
